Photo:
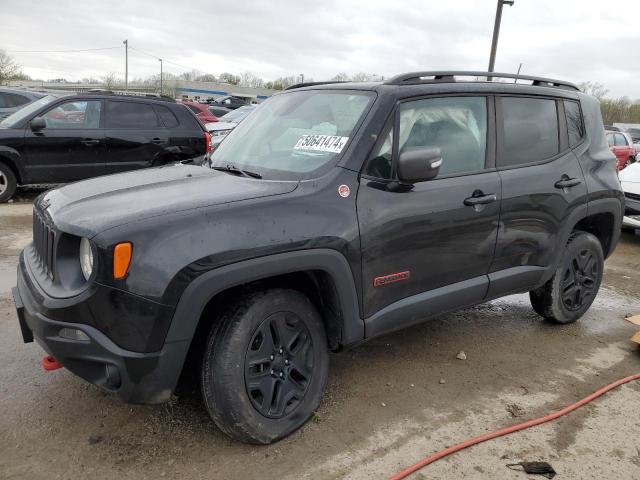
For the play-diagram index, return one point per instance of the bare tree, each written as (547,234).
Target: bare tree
(9,69)
(595,89)
(109,81)
(341,77)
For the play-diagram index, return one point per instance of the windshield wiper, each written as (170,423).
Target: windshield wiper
(237,171)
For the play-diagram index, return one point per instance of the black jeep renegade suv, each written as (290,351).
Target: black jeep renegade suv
(333,214)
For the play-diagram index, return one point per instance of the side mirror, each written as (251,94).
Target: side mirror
(419,164)
(37,124)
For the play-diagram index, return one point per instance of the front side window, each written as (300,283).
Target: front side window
(455,125)
(21,115)
(131,115)
(575,126)
(530,130)
(293,135)
(75,114)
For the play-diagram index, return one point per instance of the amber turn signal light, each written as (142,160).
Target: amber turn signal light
(121,259)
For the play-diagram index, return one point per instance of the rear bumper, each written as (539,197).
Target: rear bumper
(135,377)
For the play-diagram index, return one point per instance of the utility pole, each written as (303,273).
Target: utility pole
(160,76)
(126,65)
(496,33)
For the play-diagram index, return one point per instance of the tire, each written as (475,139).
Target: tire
(8,183)
(560,299)
(254,390)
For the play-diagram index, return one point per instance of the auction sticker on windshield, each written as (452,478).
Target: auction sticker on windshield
(321,143)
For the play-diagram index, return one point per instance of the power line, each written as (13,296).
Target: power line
(64,51)
(169,61)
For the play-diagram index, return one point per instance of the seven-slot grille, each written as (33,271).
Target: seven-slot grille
(44,240)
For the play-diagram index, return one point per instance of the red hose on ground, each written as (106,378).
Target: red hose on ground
(505,431)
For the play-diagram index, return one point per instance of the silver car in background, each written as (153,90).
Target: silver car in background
(13,99)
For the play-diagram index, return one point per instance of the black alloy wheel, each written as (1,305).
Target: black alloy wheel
(279,364)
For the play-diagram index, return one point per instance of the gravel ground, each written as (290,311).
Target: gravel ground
(389,402)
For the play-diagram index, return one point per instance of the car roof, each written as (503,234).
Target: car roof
(23,91)
(454,81)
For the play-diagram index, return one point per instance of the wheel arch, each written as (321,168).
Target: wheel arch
(323,275)
(10,158)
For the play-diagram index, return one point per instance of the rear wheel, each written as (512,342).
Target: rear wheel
(265,366)
(8,183)
(572,289)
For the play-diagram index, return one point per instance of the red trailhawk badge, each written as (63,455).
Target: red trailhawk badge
(344,191)
(393,278)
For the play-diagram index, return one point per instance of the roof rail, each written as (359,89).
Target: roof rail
(414,78)
(311,84)
(122,93)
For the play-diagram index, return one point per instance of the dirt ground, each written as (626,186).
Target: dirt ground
(388,403)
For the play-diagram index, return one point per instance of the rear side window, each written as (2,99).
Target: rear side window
(168,118)
(130,115)
(620,140)
(530,127)
(575,125)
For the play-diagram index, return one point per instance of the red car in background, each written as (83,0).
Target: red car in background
(623,148)
(201,110)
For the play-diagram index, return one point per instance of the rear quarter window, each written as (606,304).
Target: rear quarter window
(575,124)
(530,131)
(167,117)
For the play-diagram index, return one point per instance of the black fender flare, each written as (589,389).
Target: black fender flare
(201,290)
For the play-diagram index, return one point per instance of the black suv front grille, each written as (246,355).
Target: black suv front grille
(632,196)
(44,240)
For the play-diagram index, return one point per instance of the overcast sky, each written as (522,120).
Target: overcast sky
(576,40)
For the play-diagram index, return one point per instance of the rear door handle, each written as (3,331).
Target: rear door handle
(157,141)
(480,199)
(567,182)
(90,141)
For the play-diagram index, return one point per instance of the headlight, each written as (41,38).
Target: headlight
(86,258)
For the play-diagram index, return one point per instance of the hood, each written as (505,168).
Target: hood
(89,207)
(220,126)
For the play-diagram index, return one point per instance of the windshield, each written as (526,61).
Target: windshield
(20,115)
(293,135)
(236,115)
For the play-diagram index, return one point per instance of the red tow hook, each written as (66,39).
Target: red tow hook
(49,363)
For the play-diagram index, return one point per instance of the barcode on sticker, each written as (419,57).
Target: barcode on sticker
(322,143)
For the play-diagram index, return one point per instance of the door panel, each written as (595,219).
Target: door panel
(537,198)
(71,147)
(428,232)
(135,139)
(432,241)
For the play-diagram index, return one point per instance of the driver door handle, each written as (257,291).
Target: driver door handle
(480,199)
(90,141)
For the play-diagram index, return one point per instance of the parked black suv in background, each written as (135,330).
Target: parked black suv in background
(13,99)
(62,139)
(333,214)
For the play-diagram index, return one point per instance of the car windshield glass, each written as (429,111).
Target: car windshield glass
(293,135)
(20,115)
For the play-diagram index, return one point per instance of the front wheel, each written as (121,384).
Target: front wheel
(265,366)
(8,183)
(572,289)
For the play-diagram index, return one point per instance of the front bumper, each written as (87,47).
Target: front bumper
(134,376)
